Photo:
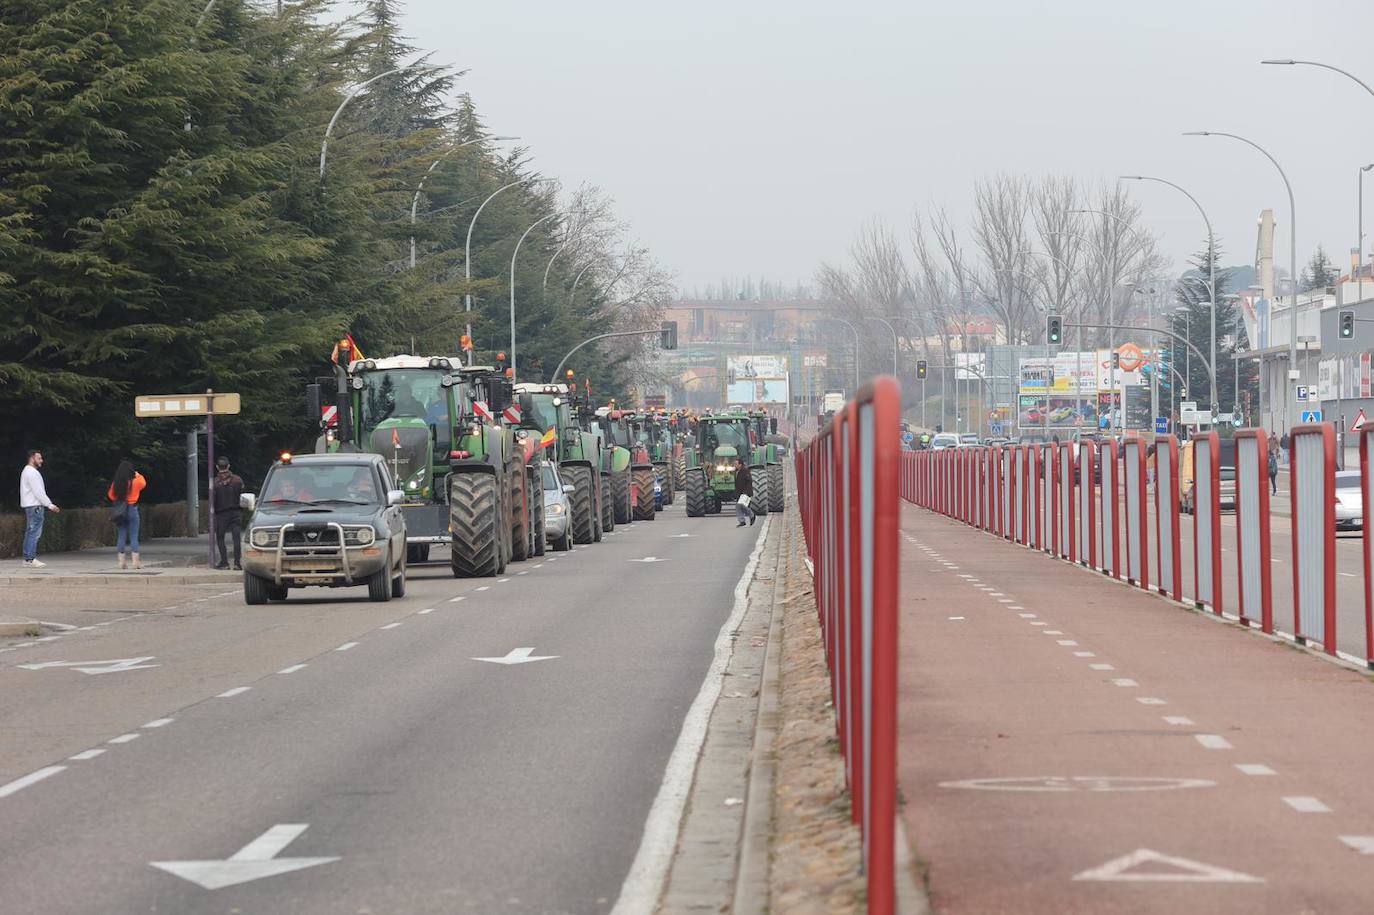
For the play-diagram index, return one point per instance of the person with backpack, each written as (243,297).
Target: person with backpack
(125,489)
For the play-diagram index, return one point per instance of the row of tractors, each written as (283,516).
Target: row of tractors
(469,449)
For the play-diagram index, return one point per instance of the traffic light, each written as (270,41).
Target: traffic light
(1347,324)
(921,369)
(1054,330)
(668,335)
(1116,360)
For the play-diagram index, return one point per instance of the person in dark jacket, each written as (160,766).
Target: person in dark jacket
(228,516)
(744,486)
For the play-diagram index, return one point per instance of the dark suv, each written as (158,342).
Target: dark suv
(325,519)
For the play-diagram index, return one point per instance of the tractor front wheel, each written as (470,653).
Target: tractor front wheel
(472,515)
(644,494)
(696,493)
(608,512)
(620,497)
(583,503)
(775,485)
(759,502)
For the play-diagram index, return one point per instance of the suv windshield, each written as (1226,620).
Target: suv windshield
(308,484)
(550,478)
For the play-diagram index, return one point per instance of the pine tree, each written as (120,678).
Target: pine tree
(1319,272)
(1192,320)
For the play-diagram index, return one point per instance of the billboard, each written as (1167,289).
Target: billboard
(1056,376)
(756,378)
(1056,412)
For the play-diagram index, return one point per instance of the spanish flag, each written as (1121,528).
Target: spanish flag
(549,437)
(347,348)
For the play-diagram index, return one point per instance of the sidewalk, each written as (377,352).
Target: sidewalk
(1069,744)
(177,560)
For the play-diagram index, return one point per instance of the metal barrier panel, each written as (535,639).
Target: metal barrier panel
(1068,538)
(1313,476)
(1366,497)
(1046,484)
(1034,532)
(1018,489)
(1167,542)
(1087,507)
(1253,574)
(1137,516)
(988,489)
(1109,540)
(1207,520)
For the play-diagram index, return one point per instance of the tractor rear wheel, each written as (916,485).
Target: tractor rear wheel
(775,485)
(583,503)
(696,493)
(620,497)
(519,520)
(644,494)
(680,472)
(472,516)
(608,518)
(759,501)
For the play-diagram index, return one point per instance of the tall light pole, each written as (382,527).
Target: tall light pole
(1359,268)
(1291,394)
(1211,271)
(352,94)
(415,201)
(467,249)
(888,324)
(514,254)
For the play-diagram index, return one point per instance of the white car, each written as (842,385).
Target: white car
(1349,501)
(557,524)
(944,440)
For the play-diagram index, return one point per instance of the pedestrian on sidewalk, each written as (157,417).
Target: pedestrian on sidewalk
(1285,444)
(33,499)
(1273,466)
(744,489)
(228,515)
(124,491)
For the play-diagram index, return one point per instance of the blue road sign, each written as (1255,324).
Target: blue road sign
(1311,416)
(1161,425)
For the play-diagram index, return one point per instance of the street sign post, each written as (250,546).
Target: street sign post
(1161,425)
(209,405)
(1311,416)
(1302,393)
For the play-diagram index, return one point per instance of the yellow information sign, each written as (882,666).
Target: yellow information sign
(156,405)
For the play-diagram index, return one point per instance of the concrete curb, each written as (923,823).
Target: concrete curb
(124,578)
(14,629)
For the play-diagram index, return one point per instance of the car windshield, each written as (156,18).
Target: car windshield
(550,478)
(308,484)
(734,434)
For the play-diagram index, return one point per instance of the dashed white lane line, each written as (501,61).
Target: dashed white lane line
(956,617)
(159,722)
(1016,607)
(88,754)
(1026,616)
(1255,769)
(1304,804)
(33,778)
(426,610)
(996,594)
(537,565)
(1085,654)
(231,693)
(1039,623)
(124,738)
(1347,574)
(1150,700)
(292,669)
(1213,741)
(1004,600)
(499,581)
(1051,632)
(1067,643)
(454,600)
(483,588)
(391,625)
(526,572)
(346,646)
(1125,682)
(1178,720)
(966,576)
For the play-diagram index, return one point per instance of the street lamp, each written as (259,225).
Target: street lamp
(513,255)
(1211,271)
(467,249)
(888,324)
(415,201)
(1359,267)
(1292,263)
(352,93)
(1313,63)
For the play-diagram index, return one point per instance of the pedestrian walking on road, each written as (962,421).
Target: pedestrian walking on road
(33,499)
(1285,444)
(124,491)
(1273,466)
(744,488)
(228,516)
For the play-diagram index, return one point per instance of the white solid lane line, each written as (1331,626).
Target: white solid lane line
(88,754)
(1255,769)
(124,738)
(159,723)
(346,646)
(1306,805)
(1213,741)
(292,669)
(231,693)
(19,784)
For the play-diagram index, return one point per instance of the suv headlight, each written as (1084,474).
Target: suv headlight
(359,536)
(556,508)
(265,536)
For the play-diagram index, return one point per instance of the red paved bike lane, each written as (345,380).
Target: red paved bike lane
(1069,744)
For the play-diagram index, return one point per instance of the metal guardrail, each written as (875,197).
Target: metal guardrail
(1206,505)
(1313,480)
(1167,544)
(1252,530)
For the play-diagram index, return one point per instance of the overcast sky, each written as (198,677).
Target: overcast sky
(753,138)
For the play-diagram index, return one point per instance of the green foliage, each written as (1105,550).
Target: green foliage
(164,227)
(1319,272)
(1192,319)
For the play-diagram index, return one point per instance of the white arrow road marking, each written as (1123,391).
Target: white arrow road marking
(519,656)
(649,559)
(254,861)
(96,667)
(1362,844)
(1185,871)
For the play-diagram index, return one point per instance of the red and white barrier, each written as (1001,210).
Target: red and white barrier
(1313,483)
(1206,505)
(1167,545)
(1087,507)
(1137,515)
(1068,535)
(849,483)
(1252,529)
(1109,533)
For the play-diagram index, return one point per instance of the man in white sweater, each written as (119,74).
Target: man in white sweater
(33,498)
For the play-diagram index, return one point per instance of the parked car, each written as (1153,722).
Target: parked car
(968,440)
(944,440)
(557,525)
(332,520)
(1349,501)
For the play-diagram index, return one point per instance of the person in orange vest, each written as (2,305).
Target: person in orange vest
(124,491)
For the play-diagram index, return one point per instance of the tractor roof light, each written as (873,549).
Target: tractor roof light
(286,457)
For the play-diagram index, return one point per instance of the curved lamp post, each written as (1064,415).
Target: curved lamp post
(467,248)
(1291,394)
(352,93)
(415,201)
(513,256)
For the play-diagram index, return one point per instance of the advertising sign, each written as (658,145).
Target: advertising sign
(757,366)
(1056,412)
(1131,355)
(969,367)
(756,378)
(1059,373)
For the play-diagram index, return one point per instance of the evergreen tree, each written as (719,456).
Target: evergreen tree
(1319,272)
(1192,320)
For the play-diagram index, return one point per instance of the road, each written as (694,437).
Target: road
(370,736)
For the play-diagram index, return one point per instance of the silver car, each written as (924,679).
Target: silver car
(557,525)
(1349,501)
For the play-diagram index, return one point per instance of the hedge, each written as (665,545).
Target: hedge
(83,528)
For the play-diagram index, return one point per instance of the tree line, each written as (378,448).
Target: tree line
(168,224)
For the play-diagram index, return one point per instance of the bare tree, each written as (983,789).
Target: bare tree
(1006,280)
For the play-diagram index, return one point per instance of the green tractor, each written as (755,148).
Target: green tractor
(658,436)
(720,439)
(627,466)
(768,451)
(553,408)
(493,399)
(433,425)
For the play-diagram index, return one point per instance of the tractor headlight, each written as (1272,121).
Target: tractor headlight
(265,536)
(359,536)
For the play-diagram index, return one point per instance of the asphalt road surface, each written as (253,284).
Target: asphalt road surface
(336,755)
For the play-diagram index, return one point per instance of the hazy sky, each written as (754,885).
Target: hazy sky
(753,138)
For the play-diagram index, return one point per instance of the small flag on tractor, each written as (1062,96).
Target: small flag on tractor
(549,437)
